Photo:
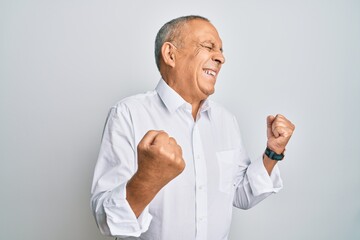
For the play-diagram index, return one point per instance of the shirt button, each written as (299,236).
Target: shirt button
(201,219)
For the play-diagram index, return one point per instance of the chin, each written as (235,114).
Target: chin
(209,92)
(207,88)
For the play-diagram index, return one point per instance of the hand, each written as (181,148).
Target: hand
(159,159)
(279,131)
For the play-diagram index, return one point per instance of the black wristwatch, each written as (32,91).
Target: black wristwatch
(273,155)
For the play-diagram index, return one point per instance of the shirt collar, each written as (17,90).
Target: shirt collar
(170,98)
(173,100)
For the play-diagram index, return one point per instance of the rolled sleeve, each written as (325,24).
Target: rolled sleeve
(260,181)
(120,219)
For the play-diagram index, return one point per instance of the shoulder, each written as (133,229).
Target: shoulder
(134,102)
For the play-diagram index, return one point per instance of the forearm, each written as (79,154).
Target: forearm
(139,194)
(269,164)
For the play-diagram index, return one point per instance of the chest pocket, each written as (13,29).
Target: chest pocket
(227,169)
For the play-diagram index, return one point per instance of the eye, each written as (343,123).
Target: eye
(207,47)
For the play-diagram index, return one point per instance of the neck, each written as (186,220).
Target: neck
(195,101)
(195,109)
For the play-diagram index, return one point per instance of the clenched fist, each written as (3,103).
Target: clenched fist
(159,161)
(279,131)
(159,158)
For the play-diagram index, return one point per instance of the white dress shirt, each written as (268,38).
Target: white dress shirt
(198,203)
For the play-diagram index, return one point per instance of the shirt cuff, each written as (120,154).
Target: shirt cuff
(120,218)
(259,179)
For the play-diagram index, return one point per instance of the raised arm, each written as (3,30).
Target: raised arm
(159,161)
(279,132)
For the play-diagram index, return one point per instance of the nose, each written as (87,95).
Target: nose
(219,57)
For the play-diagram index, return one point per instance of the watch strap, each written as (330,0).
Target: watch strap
(273,155)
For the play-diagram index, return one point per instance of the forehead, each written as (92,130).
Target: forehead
(200,31)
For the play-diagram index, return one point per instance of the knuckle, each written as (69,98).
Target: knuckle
(180,164)
(172,140)
(151,133)
(163,134)
(172,158)
(161,150)
(178,147)
(140,146)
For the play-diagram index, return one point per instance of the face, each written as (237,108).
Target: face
(198,60)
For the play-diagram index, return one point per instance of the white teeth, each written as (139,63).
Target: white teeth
(210,72)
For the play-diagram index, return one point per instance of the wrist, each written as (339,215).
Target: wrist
(144,183)
(276,149)
(274,155)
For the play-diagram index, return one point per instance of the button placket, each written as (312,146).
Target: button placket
(200,183)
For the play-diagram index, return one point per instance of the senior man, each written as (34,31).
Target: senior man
(172,163)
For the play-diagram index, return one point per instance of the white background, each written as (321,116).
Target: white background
(64,63)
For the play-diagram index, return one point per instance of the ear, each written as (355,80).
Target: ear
(168,52)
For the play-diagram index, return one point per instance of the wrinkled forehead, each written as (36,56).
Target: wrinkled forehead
(199,30)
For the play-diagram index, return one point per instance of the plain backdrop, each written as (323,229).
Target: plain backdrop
(64,63)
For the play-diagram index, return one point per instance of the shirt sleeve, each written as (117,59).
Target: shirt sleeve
(115,166)
(253,183)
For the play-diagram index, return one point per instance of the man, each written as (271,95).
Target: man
(172,163)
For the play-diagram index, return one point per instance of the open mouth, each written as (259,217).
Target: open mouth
(210,72)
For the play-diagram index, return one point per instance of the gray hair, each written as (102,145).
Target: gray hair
(170,31)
